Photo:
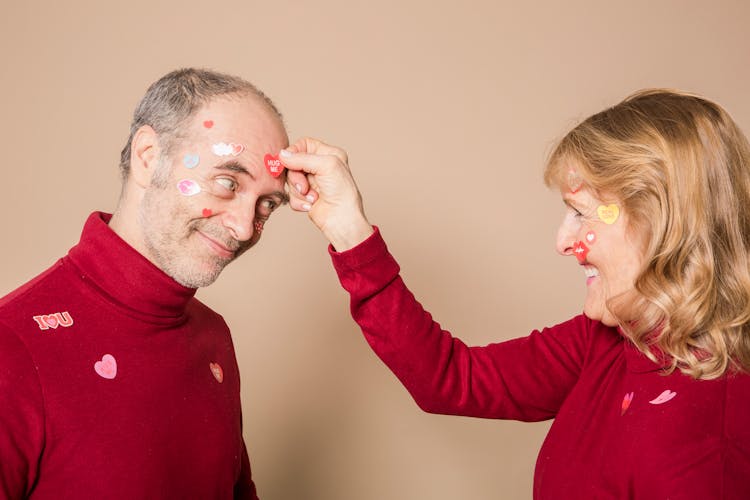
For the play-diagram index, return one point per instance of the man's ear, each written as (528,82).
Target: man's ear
(144,155)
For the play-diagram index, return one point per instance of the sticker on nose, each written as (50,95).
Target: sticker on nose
(608,213)
(580,250)
(273,165)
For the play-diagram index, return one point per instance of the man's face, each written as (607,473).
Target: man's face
(209,199)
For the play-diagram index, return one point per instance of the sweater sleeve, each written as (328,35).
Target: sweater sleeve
(21,418)
(524,379)
(245,487)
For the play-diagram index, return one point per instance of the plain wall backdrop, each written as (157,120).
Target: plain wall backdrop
(447,111)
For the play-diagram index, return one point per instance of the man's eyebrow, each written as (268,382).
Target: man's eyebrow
(283,197)
(236,167)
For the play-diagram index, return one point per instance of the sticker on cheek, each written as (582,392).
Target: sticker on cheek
(188,187)
(258,224)
(191,161)
(230,149)
(207,212)
(580,250)
(208,123)
(590,237)
(273,164)
(608,213)
(575,181)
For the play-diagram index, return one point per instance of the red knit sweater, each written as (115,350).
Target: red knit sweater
(115,382)
(622,429)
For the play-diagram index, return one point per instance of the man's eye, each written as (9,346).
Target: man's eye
(228,184)
(267,206)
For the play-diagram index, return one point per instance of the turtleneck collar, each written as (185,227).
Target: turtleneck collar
(128,278)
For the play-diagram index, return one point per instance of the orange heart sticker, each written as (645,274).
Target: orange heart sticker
(608,213)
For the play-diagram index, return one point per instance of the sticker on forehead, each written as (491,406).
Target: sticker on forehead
(191,161)
(590,237)
(273,164)
(608,213)
(575,181)
(224,149)
(580,250)
(188,187)
(208,123)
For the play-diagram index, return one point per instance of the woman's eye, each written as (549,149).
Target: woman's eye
(227,184)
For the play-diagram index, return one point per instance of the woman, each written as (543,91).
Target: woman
(649,388)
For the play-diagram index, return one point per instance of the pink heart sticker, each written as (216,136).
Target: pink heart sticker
(51,320)
(208,123)
(107,367)
(207,212)
(188,187)
(273,165)
(663,397)
(217,372)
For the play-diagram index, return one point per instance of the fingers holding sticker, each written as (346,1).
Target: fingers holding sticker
(334,204)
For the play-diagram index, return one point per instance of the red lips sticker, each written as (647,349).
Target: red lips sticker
(273,165)
(580,250)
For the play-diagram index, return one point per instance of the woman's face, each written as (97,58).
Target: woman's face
(595,233)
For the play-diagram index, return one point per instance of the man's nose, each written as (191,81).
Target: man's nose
(238,219)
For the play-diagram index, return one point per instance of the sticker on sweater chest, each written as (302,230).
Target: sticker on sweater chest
(47,321)
(107,367)
(217,372)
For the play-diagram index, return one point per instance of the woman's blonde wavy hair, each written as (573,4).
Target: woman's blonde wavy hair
(680,168)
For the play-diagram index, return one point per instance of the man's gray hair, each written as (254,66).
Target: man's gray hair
(175,98)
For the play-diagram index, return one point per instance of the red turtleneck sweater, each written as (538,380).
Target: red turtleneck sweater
(115,382)
(622,429)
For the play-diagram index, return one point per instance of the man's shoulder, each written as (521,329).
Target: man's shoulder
(47,285)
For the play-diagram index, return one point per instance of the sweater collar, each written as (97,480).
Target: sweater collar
(128,278)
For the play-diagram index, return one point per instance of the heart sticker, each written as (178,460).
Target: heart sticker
(663,397)
(580,250)
(574,181)
(207,212)
(51,320)
(208,123)
(626,403)
(608,213)
(273,164)
(217,372)
(188,187)
(230,149)
(190,161)
(591,237)
(107,367)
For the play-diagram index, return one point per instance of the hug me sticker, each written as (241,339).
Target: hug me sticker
(273,165)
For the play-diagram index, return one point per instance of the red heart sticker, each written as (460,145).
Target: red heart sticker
(207,212)
(580,250)
(273,164)
(208,123)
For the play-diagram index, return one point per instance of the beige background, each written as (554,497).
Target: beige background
(447,110)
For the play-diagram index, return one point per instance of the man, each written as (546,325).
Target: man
(115,382)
